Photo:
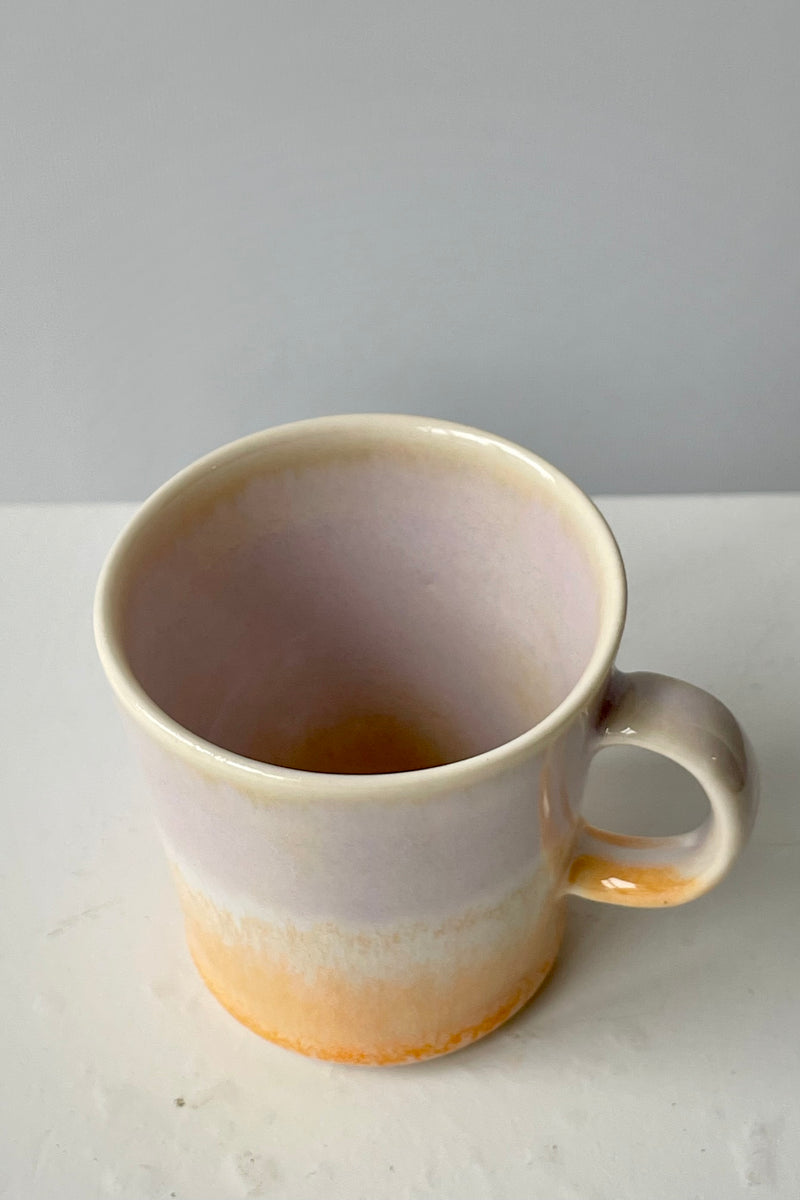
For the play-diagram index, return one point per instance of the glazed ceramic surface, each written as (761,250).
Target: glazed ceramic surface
(367,661)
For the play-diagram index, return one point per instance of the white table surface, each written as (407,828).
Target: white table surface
(661,1062)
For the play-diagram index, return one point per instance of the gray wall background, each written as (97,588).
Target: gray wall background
(574,223)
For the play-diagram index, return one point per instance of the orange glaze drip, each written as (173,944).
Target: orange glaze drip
(630,884)
(388,1055)
(282,984)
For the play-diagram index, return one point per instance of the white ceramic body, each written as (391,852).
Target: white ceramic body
(388,917)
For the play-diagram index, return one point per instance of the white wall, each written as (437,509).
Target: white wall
(575,223)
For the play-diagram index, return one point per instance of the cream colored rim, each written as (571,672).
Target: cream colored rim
(258,776)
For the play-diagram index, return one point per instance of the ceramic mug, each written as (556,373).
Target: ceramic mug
(367,661)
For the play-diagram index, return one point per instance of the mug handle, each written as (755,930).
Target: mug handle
(697,731)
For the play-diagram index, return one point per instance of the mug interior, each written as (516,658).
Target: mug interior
(360,598)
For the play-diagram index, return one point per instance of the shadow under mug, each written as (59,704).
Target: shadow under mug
(367,661)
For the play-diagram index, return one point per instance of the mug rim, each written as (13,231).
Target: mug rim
(252,773)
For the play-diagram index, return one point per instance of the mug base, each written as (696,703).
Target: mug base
(386,1055)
